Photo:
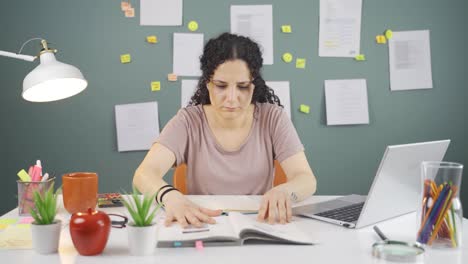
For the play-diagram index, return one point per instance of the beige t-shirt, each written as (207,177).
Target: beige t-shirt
(247,170)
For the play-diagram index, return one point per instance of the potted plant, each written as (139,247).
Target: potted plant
(141,231)
(45,229)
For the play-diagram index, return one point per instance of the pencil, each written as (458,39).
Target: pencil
(437,227)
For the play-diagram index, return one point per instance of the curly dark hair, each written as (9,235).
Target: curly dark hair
(230,47)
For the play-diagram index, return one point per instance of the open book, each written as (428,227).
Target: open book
(233,229)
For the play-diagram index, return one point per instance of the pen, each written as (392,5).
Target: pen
(195,230)
(46,176)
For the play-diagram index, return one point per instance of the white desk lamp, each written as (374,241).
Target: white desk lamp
(51,80)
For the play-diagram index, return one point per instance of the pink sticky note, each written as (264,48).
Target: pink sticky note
(199,244)
(26,220)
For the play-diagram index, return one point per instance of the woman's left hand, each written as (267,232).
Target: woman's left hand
(275,207)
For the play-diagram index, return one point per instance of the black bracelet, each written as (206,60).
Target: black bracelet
(159,191)
(165,192)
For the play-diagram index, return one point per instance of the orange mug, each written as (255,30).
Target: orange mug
(80,191)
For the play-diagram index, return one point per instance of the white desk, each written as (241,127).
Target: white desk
(337,245)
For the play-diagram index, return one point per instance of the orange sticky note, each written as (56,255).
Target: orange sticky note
(380,39)
(155,86)
(125,5)
(125,58)
(130,12)
(152,39)
(172,77)
(300,63)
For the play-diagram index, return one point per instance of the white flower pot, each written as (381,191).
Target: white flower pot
(45,238)
(141,240)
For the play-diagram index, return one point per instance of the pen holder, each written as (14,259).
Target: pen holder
(25,194)
(440,212)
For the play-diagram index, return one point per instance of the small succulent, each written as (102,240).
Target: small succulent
(139,208)
(45,206)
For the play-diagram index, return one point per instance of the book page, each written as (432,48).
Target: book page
(222,229)
(227,203)
(249,228)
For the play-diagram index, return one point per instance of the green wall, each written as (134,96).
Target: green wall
(78,134)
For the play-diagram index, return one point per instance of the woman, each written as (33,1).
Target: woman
(229,137)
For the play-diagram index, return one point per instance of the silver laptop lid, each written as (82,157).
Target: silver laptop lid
(395,189)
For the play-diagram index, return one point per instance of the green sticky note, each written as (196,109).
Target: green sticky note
(300,63)
(286,28)
(125,58)
(287,57)
(24,176)
(8,221)
(304,108)
(360,57)
(388,34)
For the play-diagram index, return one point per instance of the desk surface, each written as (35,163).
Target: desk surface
(337,245)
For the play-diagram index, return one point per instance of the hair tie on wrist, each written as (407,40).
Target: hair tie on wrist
(165,192)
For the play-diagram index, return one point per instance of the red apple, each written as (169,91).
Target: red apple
(89,231)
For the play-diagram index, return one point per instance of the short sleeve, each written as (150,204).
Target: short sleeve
(285,139)
(174,136)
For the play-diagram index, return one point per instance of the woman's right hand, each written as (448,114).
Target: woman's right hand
(185,212)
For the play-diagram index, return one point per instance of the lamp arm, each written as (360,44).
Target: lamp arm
(17,56)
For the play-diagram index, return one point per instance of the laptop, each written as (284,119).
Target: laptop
(394,191)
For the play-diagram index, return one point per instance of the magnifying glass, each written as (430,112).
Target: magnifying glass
(396,250)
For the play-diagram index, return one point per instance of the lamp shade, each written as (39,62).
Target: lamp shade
(52,80)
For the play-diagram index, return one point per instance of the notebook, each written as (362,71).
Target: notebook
(232,230)
(394,191)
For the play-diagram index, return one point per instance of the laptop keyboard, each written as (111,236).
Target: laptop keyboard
(348,213)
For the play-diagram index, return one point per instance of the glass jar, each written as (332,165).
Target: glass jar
(440,214)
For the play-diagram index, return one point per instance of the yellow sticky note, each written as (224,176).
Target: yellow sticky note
(388,34)
(155,86)
(193,25)
(24,176)
(152,39)
(3,226)
(130,12)
(14,237)
(300,63)
(360,57)
(287,57)
(304,108)
(8,221)
(380,39)
(172,77)
(286,28)
(125,58)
